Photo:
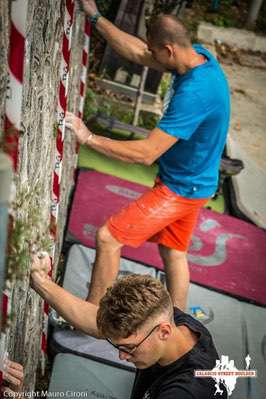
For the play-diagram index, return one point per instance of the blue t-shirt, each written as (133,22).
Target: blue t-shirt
(198,115)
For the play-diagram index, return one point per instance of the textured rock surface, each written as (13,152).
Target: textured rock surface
(4,39)
(36,151)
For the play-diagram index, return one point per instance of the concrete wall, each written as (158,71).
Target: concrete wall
(238,38)
(36,151)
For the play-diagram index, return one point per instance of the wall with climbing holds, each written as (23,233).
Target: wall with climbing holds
(43,63)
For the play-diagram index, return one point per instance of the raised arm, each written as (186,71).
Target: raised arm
(79,313)
(128,46)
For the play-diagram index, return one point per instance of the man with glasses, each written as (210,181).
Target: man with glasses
(136,316)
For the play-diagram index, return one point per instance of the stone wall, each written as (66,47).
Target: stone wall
(36,153)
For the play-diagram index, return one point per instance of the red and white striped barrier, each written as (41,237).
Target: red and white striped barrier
(84,68)
(59,150)
(62,107)
(12,120)
(16,69)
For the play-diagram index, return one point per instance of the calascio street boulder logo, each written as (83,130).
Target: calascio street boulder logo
(226,373)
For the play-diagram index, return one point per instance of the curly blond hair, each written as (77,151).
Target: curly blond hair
(129,303)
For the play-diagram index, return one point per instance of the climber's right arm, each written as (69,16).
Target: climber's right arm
(126,45)
(79,313)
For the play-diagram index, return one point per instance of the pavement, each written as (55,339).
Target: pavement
(246,72)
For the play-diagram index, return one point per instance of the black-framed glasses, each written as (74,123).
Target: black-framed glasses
(130,351)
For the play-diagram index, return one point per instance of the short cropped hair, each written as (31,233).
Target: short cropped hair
(168,29)
(129,303)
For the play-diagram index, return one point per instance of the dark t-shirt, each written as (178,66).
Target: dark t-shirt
(176,380)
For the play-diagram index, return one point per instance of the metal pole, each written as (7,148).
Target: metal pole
(253,13)
(140,95)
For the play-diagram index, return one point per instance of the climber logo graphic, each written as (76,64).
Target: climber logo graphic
(225,373)
(220,254)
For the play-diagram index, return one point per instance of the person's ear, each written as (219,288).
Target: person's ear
(165,331)
(170,50)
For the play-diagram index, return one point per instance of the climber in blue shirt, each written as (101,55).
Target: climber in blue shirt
(187,144)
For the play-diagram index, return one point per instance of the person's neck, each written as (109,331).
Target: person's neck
(190,59)
(179,343)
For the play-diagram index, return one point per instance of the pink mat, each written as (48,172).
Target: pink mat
(226,253)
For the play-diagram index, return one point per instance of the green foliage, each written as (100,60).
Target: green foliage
(222,20)
(106,108)
(230,13)
(112,108)
(148,120)
(94,106)
(164,84)
(28,234)
(91,104)
(227,3)
(122,115)
(55,130)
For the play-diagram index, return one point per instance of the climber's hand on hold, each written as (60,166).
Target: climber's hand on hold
(14,376)
(83,134)
(41,266)
(89,7)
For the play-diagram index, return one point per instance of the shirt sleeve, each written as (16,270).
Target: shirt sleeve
(183,116)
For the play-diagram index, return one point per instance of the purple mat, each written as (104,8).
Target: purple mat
(226,253)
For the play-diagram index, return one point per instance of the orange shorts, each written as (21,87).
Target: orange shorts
(160,216)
